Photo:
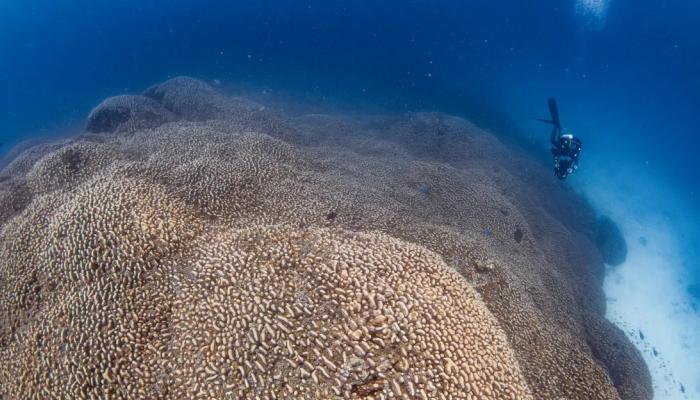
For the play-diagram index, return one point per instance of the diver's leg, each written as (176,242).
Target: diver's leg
(554,138)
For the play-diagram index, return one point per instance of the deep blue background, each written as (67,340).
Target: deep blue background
(630,86)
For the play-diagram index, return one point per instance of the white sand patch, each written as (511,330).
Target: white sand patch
(647,295)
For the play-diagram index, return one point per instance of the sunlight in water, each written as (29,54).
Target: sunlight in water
(592,12)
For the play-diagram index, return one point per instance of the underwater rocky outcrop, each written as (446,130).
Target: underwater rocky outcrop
(193,245)
(127,112)
(610,241)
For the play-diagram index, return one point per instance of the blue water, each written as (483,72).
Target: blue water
(626,74)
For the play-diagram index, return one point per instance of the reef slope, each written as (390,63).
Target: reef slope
(194,245)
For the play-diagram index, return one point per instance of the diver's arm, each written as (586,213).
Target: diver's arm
(577,149)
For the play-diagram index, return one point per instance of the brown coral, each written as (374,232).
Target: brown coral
(109,231)
(138,300)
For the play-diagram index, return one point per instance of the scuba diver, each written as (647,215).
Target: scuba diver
(566,148)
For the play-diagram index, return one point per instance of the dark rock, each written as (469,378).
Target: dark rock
(518,235)
(72,159)
(610,241)
(331,215)
(127,113)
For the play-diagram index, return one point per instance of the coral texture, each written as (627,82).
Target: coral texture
(236,251)
(127,113)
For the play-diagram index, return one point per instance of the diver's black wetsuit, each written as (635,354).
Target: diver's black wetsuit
(566,150)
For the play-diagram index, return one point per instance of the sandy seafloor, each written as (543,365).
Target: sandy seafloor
(647,296)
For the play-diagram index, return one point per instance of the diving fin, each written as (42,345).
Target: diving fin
(554,112)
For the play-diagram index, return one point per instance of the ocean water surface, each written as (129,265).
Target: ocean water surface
(626,75)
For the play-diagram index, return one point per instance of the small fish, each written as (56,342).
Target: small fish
(682,388)
(425,189)
(641,334)
(656,353)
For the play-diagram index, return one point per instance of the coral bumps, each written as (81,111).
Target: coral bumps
(131,296)
(324,314)
(264,312)
(196,246)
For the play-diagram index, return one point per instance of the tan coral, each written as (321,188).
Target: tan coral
(134,306)
(275,320)
(99,258)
